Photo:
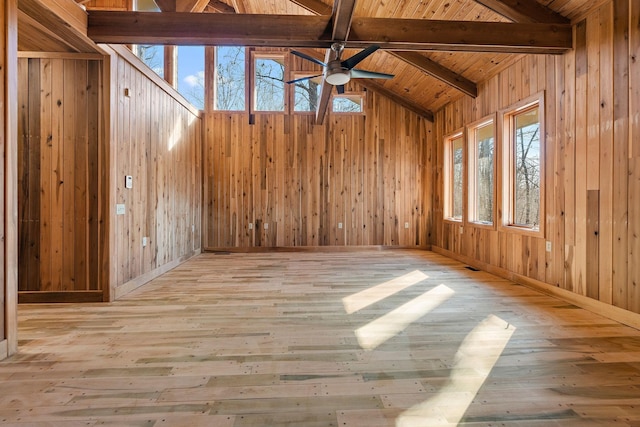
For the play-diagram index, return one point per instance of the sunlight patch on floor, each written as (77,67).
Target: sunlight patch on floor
(370,296)
(391,324)
(479,352)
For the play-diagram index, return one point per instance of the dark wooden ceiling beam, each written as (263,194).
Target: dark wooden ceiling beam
(311,31)
(426,65)
(341,18)
(468,36)
(325,92)
(524,11)
(341,25)
(439,72)
(377,87)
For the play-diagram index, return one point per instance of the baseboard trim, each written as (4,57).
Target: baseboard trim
(260,249)
(133,284)
(57,297)
(618,314)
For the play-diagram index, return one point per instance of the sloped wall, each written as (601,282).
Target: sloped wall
(156,139)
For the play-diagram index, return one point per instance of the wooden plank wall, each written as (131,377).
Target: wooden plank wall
(592,100)
(369,172)
(58,174)
(156,138)
(8,178)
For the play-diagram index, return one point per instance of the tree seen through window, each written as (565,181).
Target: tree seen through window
(230,78)
(526,191)
(269,84)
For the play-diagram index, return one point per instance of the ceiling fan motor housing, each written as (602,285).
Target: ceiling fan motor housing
(336,74)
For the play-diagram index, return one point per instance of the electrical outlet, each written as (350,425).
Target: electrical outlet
(461,230)
(144,241)
(120,209)
(339,225)
(548,246)
(250,226)
(266,226)
(406,225)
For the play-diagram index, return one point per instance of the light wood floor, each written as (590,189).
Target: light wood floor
(372,338)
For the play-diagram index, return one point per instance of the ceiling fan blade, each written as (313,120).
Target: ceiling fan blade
(364,74)
(303,78)
(308,58)
(349,63)
(340,89)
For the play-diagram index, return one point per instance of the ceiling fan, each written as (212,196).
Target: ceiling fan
(338,72)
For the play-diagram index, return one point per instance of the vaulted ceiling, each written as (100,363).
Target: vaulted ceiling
(438,50)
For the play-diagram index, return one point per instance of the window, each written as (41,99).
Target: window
(347,103)
(152,55)
(453,177)
(523,153)
(269,84)
(481,170)
(306,93)
(191,74)
(229,87)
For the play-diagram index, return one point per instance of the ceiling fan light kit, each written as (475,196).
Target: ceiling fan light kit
(336,74)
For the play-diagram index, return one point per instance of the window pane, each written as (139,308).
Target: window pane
(484,152)
(230,78)
(526,191)
(152,55)
(456,179)
(307,94)
(347,104)
(191,74)
(269,84)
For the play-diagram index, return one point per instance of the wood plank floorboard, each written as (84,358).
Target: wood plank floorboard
(394,338)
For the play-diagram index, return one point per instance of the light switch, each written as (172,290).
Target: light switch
(128,181)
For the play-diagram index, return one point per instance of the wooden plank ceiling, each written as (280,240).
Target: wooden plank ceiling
(429,76)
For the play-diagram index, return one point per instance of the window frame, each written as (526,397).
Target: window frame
(253,93)
(507,162)
(292,90)
(448,177)
(214,76)
(470,172)
(347,94)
